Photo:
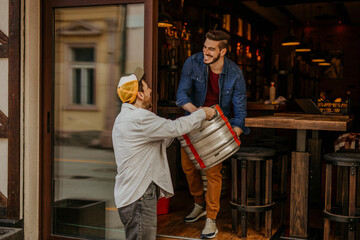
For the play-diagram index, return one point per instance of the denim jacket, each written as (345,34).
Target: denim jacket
(232,96)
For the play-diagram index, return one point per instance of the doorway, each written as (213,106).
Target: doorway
(87,47)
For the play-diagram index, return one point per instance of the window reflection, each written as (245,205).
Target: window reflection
(94,46)
(83,66)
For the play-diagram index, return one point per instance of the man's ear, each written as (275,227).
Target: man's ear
(223,51)
(140,95)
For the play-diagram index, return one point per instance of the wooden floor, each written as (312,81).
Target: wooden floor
(171,225)
(181,204)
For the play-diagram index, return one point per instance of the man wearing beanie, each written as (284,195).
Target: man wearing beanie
(140,138)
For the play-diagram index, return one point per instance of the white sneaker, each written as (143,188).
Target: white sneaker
(210,229)
(196,214)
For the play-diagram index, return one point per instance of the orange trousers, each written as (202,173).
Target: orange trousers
(214,179)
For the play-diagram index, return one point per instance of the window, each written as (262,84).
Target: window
(83,68)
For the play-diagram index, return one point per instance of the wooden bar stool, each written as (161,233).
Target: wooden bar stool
(350,163)
(243,156)
(280,172)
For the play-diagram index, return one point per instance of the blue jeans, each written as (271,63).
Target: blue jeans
(140,217)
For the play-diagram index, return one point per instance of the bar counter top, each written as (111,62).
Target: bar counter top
(301,121)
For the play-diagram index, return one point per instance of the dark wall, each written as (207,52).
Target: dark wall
(338,40)
(346,39)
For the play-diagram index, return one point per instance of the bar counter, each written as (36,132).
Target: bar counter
(300,158)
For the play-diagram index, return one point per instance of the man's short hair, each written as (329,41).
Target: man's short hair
(141,85)
(221,36)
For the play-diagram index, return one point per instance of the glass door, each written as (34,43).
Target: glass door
(94,46)
(91,48)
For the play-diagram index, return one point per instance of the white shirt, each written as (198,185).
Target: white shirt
(140,138)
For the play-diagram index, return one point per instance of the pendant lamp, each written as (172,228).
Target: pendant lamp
(324,64)
(318,57)
(165,20)
(290,40)
(303,47)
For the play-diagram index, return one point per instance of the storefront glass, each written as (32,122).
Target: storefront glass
(93,46)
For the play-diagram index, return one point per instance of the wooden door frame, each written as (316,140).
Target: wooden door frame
(10,125)
(46,103)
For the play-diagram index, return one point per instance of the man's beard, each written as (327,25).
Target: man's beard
(213,61)
(147,104)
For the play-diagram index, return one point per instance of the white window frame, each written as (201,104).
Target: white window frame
(71,65)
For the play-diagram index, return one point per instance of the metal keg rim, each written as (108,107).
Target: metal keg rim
(207,134)
(206,123)
(200,133)
(199,145)
(195,134)
(223,140)
(220,149)
(209,152)
(226,156)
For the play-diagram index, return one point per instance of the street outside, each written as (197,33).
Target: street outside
(89,174)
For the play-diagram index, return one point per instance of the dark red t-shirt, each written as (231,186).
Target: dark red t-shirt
(212,95)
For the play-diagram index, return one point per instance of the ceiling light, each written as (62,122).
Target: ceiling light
(324,64)
(303,47)
(318,57)
(164,24)
(318,60)
(165,20)
(290,40)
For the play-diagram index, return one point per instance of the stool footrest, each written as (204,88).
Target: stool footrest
(340,218)
(243,208)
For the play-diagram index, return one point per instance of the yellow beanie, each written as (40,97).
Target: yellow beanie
(128,88)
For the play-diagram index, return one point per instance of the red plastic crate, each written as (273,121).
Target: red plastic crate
(163,206)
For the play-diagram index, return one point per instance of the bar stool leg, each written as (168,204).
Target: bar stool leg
(268,197)
(339,178)
(234,195)
(250,178)
(357,232)
(352,201)
(243,199)
(283,183)
(251,185)
(257,194)
(344,196)
(328,173)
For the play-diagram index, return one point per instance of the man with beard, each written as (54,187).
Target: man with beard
(210,78)
(140,138)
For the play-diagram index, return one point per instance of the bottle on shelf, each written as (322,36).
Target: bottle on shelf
(347,110)
(272,92)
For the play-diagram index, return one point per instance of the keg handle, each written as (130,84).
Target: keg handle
(216,112)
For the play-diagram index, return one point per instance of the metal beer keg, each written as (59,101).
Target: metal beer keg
(212,143)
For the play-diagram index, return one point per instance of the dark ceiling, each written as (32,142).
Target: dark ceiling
(307,12)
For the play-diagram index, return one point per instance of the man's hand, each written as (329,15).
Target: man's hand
(210,112)
(238,131)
